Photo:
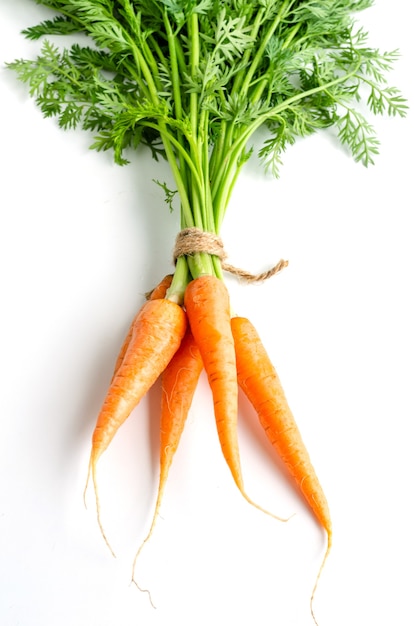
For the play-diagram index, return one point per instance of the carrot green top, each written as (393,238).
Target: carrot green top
(194,79)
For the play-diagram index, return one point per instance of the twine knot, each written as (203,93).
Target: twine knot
(189,241)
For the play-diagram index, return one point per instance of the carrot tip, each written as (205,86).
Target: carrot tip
(133,579)
(147,591)
(85,504)
(260,508)
(86,486)
(134,564)
(92,472)
(327,551)
(106,539)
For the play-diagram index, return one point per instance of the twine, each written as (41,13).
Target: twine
(192,240)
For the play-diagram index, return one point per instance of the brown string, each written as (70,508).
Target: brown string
(192,240)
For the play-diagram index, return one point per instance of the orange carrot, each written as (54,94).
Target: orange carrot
(157,333)
(179,382)
(207,304)
(208,309)
(161,289)
(259,380)
(158,292)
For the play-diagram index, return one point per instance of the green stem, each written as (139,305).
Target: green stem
(226,182)
(199,263)
(179,282)
(218,148)
(240,78)
(194,64)
(176,85)
(244,88)
(173,64)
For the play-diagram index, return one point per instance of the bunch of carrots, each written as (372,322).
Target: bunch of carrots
(193,80)
(176,342)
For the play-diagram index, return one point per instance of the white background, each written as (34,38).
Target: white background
(81,240)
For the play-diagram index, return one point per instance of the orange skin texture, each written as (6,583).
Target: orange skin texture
(207,304)
(260,382)
(156,335)
(179,382)
(206,300)
(153,338)
(161,289)
(158,292)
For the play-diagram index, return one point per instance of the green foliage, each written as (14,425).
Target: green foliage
(168,193)
(193,80)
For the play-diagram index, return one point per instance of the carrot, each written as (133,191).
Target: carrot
(179,382)
(260,382)
(207,304)
(157,333)
(161,289)
(158,292)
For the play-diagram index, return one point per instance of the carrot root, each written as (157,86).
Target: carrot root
(156,335)
(322,566)
(258,379)
(142,590)
(160,342)
(179,382)
(206,300)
